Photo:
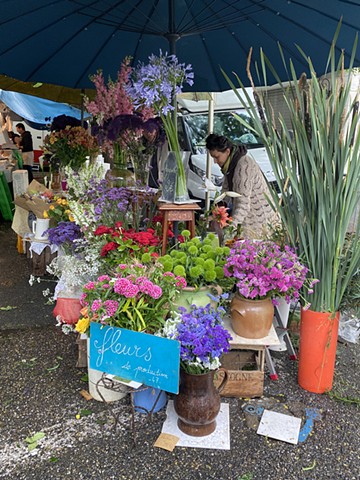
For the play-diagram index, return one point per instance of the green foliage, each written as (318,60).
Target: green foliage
(317,169)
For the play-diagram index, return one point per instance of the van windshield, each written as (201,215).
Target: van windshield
(225,123)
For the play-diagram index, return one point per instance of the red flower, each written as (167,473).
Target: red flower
(101,230)
(108,248)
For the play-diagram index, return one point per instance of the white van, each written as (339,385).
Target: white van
(193,129)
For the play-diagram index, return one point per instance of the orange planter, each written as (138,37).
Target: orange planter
(318,341)
(68,309)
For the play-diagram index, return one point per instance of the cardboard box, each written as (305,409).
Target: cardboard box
(246,379)
(31,200)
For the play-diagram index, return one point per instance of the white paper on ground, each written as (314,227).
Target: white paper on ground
(220,439)
(279,426)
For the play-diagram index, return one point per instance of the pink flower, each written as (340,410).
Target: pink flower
(131,291)
(111,307)
(120,285)
(96,305)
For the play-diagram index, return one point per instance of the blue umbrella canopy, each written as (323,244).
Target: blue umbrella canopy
(64,41)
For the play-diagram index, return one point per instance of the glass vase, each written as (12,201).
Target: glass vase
(174,185)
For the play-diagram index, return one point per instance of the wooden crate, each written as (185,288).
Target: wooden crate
(246,374)
(40,262)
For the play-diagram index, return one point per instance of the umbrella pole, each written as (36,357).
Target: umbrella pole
(208,159)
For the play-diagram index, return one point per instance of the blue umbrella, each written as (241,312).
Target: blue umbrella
(64,41)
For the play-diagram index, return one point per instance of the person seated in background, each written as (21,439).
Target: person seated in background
(243,175)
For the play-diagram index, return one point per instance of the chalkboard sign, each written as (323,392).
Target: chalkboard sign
(151,360)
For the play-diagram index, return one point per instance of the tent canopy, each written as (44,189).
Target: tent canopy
(36,110)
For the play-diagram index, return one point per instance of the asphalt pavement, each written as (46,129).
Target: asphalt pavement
(48,430)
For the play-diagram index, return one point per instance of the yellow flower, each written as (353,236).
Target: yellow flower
(59,201)
(82,325)
(52,207)
(71,218)
(64,201)
(45,214)
(67,212)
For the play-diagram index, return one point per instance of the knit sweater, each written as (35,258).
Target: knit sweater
(252,210)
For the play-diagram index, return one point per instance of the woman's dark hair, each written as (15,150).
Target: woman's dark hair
(218,142)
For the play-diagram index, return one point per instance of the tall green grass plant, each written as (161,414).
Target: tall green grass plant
(317,168)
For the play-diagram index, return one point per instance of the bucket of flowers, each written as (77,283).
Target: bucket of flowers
(203,339)
(137,298)
(263,272)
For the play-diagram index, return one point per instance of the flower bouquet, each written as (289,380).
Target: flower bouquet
(200,262)
(118,244)
(136,298)
(70,146)
(202,336)
(264,273)
(262,269)
(155,86)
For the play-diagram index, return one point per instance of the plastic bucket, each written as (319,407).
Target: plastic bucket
(149,399)
(318,341)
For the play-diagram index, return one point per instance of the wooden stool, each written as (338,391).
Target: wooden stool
(177,213)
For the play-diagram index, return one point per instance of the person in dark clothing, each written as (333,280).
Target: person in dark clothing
(26,147)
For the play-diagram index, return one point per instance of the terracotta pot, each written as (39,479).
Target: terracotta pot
(199,297)
(251,318)
(318,341)
(68,309)
(198,403)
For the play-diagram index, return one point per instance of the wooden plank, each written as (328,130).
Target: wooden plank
(250,343)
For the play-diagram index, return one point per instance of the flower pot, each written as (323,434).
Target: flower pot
(318,340)
(198,403)
(251,318)
(196,296)
(96,389)
(68,309)
(149,399)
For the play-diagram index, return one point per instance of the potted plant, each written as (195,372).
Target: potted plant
(317,169)
(137,298)
(263,272)
(203,339)
(201,263)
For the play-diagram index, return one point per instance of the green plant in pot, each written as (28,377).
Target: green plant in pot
(317,169)
(201,263)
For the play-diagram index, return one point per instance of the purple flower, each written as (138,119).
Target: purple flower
(262,269)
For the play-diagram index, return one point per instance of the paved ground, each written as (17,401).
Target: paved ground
(40,392)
